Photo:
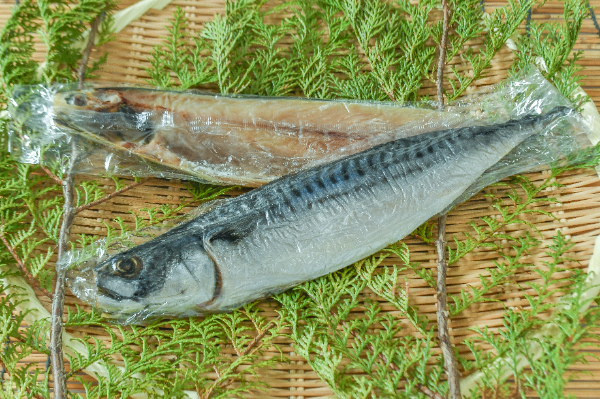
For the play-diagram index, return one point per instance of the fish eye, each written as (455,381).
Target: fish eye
(129,267)
(79,100)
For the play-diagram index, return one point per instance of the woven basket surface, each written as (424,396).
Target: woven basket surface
(577,214)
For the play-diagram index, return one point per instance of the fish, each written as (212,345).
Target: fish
(303,225)
(236,140)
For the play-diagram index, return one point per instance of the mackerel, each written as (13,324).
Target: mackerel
(306,224)
(238,140)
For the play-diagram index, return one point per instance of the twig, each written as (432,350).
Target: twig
(52,175)
(69,212)
(88,50)
(442,59)
(22,267)
(109,196)
(450,364)
(58,303)
(258,338)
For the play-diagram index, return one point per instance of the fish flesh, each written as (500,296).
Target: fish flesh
(231,140)
(303,225)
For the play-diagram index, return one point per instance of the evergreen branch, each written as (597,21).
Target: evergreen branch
(442,57)
(109,196)
(33,281)
(58,302)
(498,275)
(363,43)
(555,337)
(508,217)
(423,388)
(115,347)
(250,349)
(27,389)
(425,233)
(500,24)
(450,363)
(57,179)
(206,192)
(88,49)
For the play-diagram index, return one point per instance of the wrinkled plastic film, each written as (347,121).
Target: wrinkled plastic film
(529,93)
(261,251)
(239,140)
(205,137)
(34,137)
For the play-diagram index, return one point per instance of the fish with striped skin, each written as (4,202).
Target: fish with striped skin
(303,225)
(246,141)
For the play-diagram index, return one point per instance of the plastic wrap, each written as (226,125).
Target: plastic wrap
(318,220)
(238,140)
(219,139)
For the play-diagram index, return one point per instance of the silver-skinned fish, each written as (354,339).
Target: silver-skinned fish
(304,225)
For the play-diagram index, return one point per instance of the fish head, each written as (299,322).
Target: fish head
(170,275)
(105,115)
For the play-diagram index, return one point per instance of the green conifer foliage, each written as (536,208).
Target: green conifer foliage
(356,49)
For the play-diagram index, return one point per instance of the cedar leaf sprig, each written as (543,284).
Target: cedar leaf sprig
(359,329)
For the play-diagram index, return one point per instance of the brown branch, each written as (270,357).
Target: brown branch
(258,338)
(22,267)
(69,212)
(58,303)
(76,371)
(217,371)
(442,59)
(450,364)
(52,175)
(88,50)
(106,198)
(28,390)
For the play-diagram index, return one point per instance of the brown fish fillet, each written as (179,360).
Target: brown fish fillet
(237,140)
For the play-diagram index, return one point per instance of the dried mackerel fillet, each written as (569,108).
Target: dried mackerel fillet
(237,140)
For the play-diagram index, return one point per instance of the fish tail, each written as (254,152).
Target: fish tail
(557,112)
(548,120)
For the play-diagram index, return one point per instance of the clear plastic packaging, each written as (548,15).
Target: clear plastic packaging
(220,139)
(235,140)
(318,220)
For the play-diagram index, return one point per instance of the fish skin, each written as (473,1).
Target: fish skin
(307,224)
(236,140)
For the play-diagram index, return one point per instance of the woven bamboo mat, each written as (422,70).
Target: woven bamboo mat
(578,215)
